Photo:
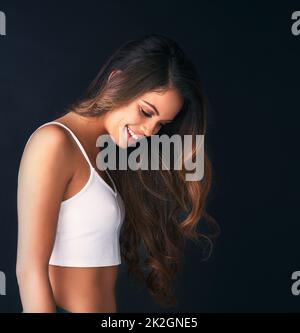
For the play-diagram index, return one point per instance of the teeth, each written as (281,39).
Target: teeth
(136,137)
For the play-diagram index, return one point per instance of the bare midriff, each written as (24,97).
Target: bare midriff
(84,289)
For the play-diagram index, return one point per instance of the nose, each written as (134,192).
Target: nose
(146,130)
(149,129)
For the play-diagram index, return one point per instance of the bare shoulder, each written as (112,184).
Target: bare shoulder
(52,135)
(48,145)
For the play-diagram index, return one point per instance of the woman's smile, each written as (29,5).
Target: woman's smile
(130,136)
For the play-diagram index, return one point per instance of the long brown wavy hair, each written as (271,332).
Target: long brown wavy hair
(163,210)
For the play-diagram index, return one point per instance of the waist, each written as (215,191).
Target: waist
(84,289)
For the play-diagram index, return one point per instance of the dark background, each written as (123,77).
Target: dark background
(248,60)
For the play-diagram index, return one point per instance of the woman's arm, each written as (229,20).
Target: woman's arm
(45,169)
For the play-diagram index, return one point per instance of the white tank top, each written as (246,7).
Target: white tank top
(89,222)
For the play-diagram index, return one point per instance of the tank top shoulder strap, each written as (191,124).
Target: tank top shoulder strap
(76,140)
(84,152)
(73,135)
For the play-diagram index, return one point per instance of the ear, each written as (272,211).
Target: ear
(114,72)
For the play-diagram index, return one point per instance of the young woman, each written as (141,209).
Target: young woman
(76,221)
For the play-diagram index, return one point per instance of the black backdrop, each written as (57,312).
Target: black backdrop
(248,59)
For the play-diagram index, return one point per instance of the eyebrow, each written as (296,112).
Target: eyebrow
(155,109)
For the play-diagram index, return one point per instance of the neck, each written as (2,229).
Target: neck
(88,128)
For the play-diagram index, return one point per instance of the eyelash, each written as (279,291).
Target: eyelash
(148,115)
(145,113)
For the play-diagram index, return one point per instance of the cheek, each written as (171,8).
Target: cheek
(121,118)
(131,119)
(116,120)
